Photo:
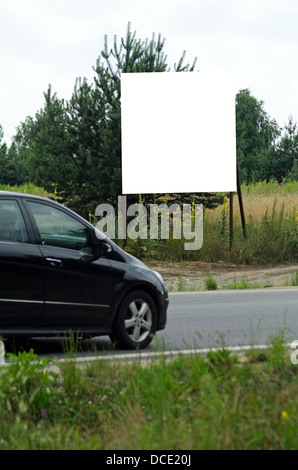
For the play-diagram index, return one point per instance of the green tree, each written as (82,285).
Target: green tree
(285,155)
(42,142)
(94,144)
(3,158)
(256,134)
(293,174)
(12,168)
(133,55)
(3,146)
(76,146)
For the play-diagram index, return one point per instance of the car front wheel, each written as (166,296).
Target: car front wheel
(136,321)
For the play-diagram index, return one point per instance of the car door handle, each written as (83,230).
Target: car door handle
(54,262)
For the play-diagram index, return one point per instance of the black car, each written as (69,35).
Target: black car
(59,274)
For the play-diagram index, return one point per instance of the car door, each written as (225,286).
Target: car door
(77,293)
(21,270)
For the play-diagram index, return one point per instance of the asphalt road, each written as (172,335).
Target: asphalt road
(230,318)
(200,320)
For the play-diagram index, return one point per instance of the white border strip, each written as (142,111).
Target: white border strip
(154,355)
(167,354)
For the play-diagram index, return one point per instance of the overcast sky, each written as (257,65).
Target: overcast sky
(53,42)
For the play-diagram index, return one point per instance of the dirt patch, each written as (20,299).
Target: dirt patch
(192,275)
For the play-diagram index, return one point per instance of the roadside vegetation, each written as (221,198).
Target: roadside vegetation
(209,283)
(28,188)
(271,213)
(220,401)
(72,149)
(73,146)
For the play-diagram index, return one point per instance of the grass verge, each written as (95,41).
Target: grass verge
(212,402)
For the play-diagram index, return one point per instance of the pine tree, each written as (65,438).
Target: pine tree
(95,115)
(75,146)
(256,134)
(285,156)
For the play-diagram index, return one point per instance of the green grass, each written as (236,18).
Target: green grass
(272,187)
(294,281)
(243,284)
(212,402)
(27,188)
(185,285)
(271,214)
(210,283)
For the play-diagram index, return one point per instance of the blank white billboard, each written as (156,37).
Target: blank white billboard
(178,132)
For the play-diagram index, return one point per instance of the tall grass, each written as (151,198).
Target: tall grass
(272,235)
(212,402)
(272,187)
(271,214)
(27,188)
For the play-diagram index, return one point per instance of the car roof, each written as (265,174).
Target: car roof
(13,193)
(41,198)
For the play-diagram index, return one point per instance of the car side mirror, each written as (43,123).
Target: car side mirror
(101,249)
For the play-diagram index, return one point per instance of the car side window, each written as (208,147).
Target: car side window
(59,229)
(12,225)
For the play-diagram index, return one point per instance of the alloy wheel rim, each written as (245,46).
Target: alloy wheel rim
(138,320)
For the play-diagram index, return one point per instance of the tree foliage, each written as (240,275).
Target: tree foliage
(256,134)
(74,147)
(43,142)
(13,169)
(284,158)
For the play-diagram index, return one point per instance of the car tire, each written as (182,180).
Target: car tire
(136,321)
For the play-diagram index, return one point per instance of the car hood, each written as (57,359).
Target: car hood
(130,259)
(127,258)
